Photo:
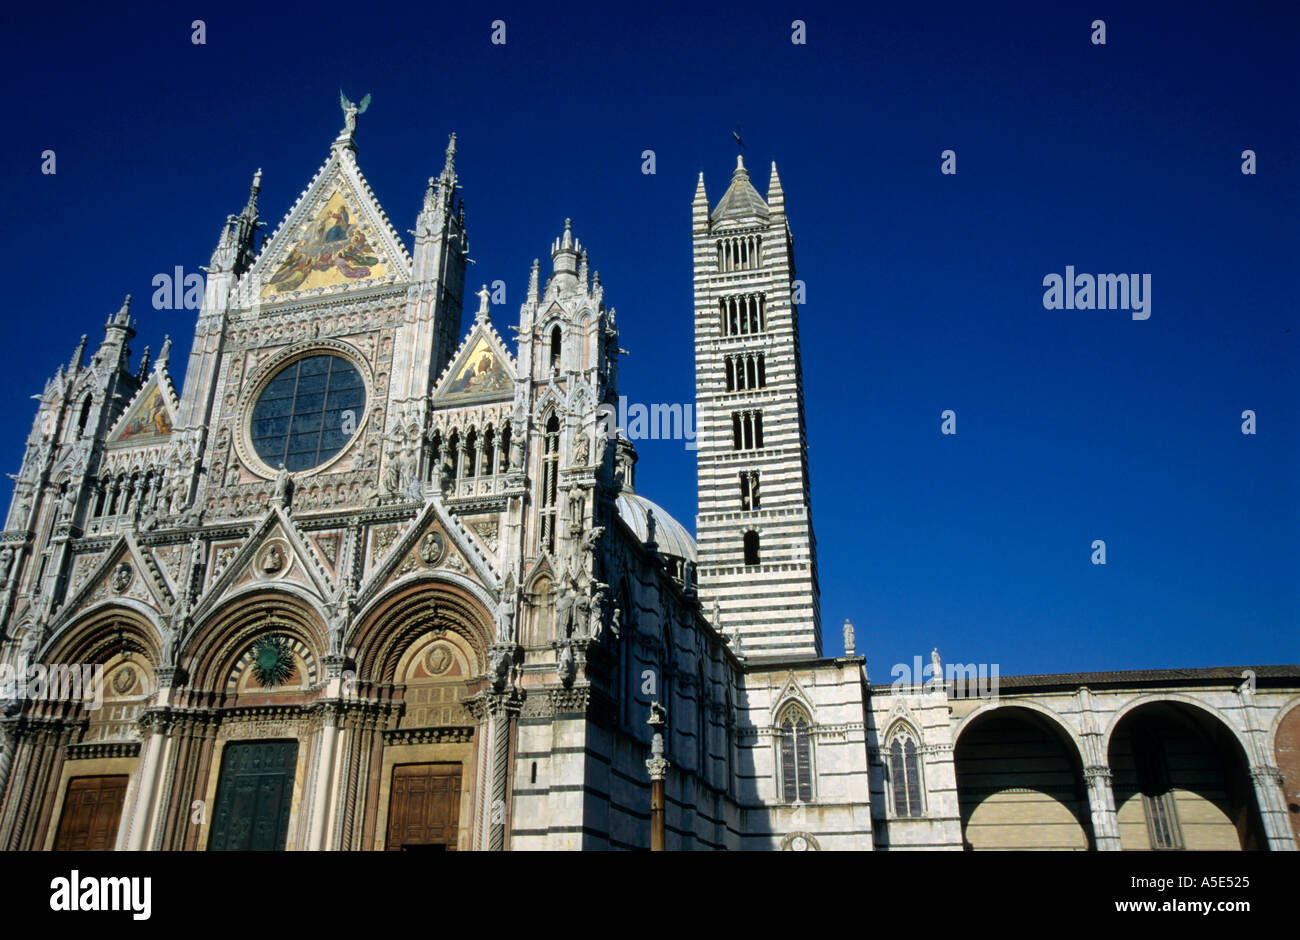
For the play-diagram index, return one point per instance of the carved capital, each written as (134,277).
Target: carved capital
(658,767)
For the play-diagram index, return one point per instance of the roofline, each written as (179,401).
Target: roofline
(1267,675)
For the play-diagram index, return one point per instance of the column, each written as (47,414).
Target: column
(320,807)
(156,724)
(1101,797)
(1267,781)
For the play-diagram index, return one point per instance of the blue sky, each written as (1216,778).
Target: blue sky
(924,290)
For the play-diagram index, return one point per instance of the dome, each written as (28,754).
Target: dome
(670,535)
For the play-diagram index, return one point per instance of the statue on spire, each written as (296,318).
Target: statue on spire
(350,112)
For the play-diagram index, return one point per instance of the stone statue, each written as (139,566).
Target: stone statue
(6,559)
(616,623)
(564,608)
(848,638)
(565,664)
(441,476)
(393,478)
(432,548)
(283,483)
(500,661)
(936,664)
(516,451)
(350,112)
(180,489)
(650,527)
(581,451)
(596,618)
(505,619)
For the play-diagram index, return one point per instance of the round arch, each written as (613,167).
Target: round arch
(413,607)
(98,634)
(216,643)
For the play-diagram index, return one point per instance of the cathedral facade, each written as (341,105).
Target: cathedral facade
(372,581)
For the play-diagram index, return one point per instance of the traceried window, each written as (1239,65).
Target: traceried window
(550,481)
(300,417)
(1157,793)
(749,496)
(794,757)
(903,770)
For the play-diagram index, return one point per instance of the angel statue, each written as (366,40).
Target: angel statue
(350,112)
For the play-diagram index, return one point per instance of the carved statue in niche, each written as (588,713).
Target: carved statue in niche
(597,616)
(581,451)
(565,664)
(516,448)
(283,484)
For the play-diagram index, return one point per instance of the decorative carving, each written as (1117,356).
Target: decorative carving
(438,659)
(122,577)
(272,559)
(433,548)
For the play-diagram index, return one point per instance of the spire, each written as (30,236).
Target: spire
(75,364)
(532,282)
(165,353)
(449,167)
(236,247)
(741,200)
(583,270)
(564,256)
(143,372)
(123,315)
(700,195)
(775,194)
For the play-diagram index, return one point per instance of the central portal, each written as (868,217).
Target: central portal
(254,796)
(424,812)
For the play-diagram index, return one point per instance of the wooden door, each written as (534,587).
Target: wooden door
(424,808)
(92,808)
(254,796)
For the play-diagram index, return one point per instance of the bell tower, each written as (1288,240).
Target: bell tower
(757,551)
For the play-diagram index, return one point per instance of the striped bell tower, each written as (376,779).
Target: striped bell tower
(757,553)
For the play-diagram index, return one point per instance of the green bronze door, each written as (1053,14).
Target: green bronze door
(254,794)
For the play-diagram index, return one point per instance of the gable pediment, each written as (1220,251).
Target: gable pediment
(336,238)
(480,371)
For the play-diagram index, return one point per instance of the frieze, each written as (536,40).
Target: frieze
(451,735)
(99,750)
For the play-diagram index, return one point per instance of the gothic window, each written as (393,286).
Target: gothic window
(794,757)
(471,452)
(550,481)
(299,417)
(751,547)
(541,613)
(903,773)
(746,371)
(749,490)
(84,416)
(731,374)
(1157,793)
(489,450)
(746,430)
(556,347)
(503,451)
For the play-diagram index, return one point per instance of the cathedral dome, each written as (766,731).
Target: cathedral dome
(670,535)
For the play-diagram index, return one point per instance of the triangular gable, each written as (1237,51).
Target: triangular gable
(274,552)
(125,571)
(413,550)
(336,237)
(792,691)
(150,416)
(482,370)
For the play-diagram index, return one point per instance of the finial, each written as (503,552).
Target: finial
(123,315)
(78,355)
(740,164)
(165,352)
(144,365)
(532,281)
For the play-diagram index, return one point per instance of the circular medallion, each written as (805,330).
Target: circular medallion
(273,560)
(272,662)
(438,660)
(124,680)
(433,548)
(122,577)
